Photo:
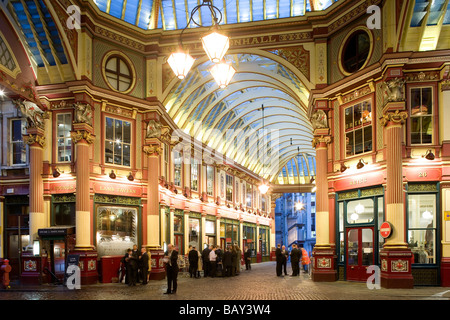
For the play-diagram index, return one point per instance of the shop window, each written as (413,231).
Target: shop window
(421,110)
(18,149)
(118,74)
(178,164)
(264,241)
(422,227)
(356,51)
(63,211)
(210,180)
(64,127)
(194,232)
(118,142)
(249,235)
(194,174)
(178,224)
(229,188)
(360,211)
(116,229)
(210,227)
(358,128)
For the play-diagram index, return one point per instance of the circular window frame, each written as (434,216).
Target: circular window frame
(344,46)
(129,64)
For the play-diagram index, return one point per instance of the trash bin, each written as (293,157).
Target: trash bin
(110,266)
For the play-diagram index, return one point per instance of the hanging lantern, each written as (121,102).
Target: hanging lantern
(180,63)
(223,73)
(215,45)
(263,188)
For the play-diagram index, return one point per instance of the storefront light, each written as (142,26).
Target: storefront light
(36,248)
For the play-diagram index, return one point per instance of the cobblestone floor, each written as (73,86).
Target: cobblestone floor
(260,283)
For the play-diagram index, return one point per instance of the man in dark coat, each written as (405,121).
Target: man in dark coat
(132,267)
(136,255)
(171,261)
(295,260)
(227,262)
(193,262)
(248,258)
(279,258)
(285,259)
(205,260)
(143,265)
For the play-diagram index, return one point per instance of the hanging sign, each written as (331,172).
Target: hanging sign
(386,230)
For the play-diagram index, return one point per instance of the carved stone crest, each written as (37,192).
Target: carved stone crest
(319,120)
(34,115)
(153,129)
(394,90)
(83,113)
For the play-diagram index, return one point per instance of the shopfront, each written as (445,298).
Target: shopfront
(359,215)
(264,243)
(229,232)
(117,220)
(178,230)
(210,231)
(249,238)
(195,225)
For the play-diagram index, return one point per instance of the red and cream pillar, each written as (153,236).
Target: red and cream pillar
(324,267)
(35,140)
(84,246)
(395,255)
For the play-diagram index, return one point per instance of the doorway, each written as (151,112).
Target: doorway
(360,252)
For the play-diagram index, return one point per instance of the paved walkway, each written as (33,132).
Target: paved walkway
(260,283)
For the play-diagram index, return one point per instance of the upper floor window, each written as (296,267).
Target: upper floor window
(118,74)
(229,190)
(248,192)
(177,165)
(210,180)
(194,174)
(64,127)
(358,128)
(18,149)
(118,142)
(356,51)
(421,110)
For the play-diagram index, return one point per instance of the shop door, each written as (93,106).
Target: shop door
(178,242)
(360,252)
(13,246)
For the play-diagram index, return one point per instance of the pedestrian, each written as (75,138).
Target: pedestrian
(212,262)
(132,267)
(200,264)
(233,260)
(123,268)
(193,262)
(227,262)
(238,260)
(144,259)
(171,261)
(219,264)
(305,260)
(285,259)
(205,260)
(295,260)
(136,255)
(248,258)
(279,259)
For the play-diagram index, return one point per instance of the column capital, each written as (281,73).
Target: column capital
(85,135)
(34,139)
(317,141)
(152,150)
(396,117)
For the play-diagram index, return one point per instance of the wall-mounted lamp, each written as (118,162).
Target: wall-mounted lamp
(112,175)
(361,164)
(57,172)
(130,177)
(429,155)
(343,167)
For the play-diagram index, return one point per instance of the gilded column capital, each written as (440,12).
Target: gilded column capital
(397,117)
(152,150)
(319,140)
(31,139)
(79,135)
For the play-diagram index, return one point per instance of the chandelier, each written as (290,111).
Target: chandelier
(215,45)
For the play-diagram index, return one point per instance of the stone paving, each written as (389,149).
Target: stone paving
(259,284)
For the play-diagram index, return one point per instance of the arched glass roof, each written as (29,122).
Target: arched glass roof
(174,14)
(232,122)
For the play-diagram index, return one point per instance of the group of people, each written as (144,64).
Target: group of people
(297,255)
(135,267)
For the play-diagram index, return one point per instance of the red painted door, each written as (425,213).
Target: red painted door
(360,252)
(178,242)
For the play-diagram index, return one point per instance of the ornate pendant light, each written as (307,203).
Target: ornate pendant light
(181,63)
(222,73)
(215,46)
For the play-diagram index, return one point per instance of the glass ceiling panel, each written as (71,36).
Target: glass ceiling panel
(234,11)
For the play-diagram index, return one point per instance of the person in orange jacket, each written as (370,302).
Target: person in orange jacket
(305,259)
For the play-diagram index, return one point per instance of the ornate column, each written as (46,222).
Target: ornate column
(395,256)
(324,267)
(83,139)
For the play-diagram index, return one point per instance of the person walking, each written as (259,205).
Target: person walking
(212,262)
(295,260)
(248,258)
(144,259)
(279,259)
(171,261)
(193,262)
(205,260)
(285,254)
(305,260)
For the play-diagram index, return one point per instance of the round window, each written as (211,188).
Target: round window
(118,74)
(356,51)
